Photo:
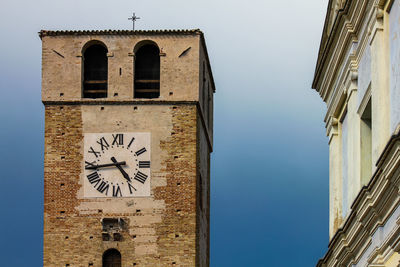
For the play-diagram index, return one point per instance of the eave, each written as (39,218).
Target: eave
(327,40)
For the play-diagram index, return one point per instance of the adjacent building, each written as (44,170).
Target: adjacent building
(358,77)
(128,137)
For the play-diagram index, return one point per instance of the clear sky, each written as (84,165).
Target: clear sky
(269,172)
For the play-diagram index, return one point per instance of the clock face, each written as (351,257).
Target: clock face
(117,165)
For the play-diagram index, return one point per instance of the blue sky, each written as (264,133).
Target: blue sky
(269,188)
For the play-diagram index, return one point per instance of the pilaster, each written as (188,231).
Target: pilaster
(379,85)
(353,143)
(335,177)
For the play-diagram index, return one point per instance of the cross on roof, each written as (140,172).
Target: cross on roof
(133,18)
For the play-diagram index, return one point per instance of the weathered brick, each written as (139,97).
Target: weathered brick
(169,228)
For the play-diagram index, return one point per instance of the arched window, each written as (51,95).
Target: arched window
(112,258)
(147,72)
(95,67)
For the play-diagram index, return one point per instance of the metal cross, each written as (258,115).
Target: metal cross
(133,18)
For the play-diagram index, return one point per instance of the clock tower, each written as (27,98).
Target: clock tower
(128,137)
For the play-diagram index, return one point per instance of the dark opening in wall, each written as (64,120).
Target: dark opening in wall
(110,224)
(95,68)
(117,236)
(112,228)
(112,258)
(366,144)
(147,72)
(105,236)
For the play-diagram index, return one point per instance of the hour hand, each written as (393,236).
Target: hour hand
(91,166)
(126,176)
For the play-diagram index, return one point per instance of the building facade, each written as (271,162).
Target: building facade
(128,137)
(357,76)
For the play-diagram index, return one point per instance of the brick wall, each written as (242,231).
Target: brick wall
(161,230)
(166,229)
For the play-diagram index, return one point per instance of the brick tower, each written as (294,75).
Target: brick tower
(128,137)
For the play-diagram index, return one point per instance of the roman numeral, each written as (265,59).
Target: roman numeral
(89,164)
(96,153)
(144,164)
(94,178)
(130,143)
(103,187)
(131,187)
(140,151)
(118,139)
(141,177)
(103,143)
(117,191)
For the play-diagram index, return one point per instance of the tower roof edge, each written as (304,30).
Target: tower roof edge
(43,33)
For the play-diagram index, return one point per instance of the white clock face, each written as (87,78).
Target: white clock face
(117,165)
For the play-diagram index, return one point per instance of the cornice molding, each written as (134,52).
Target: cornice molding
(332,128)
(329,35)
(378,23)
(372,209)
(348,48)
(349,27)
(345,56)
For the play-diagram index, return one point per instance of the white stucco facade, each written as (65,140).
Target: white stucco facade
(358,77)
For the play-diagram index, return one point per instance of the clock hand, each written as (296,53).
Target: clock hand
(92,166)
(126,176)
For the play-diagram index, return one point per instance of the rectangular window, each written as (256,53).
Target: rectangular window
(345,177)
(366,144)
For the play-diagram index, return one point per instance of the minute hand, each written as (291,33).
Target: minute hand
(126,176)
(105,165)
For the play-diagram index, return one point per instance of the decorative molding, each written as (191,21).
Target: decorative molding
(352,83)
(331,57)
(374,208)
(377,24)
(374,31)
(364,102)
(332,128)
(354,76)
(379,13)
(347,76)
(343,111)
(389,5)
